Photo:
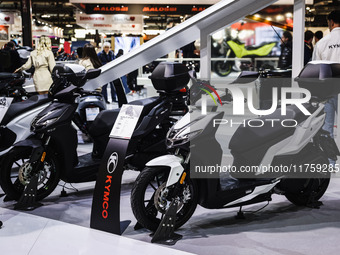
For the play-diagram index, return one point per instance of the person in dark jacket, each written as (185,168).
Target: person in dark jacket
(285,60)
(318,35)
(308,52)
(106,56)
(13,62)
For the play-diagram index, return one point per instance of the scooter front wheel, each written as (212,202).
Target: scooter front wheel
(15,173)
(149,200)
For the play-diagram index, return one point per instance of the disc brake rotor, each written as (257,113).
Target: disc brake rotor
(25,173)
(161,202)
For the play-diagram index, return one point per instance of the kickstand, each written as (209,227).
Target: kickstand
(313,203)
(27,200)
(240,214)
(165,231)
(63,193)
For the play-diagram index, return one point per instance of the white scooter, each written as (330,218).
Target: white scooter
(292,161)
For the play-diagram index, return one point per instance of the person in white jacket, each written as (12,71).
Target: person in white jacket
(328,48)
(42,59)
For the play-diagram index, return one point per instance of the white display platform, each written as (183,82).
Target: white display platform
(28,234)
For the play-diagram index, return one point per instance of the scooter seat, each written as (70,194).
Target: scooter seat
(247,138)
(5,76)
(106,119)
(16,109)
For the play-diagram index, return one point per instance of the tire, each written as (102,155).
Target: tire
(13,186)
(143,198)
(307,188)
(223,68)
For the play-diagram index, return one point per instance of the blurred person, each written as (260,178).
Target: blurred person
(43,60)
(328,48)
(9,58)
(106,56)
(318,36)
(120,53)
(285,59)
(124,77)
(308,52)
(89,58)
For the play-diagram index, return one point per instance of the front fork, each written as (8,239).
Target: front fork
(180,177)
(38,156)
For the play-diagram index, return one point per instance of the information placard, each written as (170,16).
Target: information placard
(126,121)
(5,102)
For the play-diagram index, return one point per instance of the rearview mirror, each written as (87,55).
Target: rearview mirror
(92,73)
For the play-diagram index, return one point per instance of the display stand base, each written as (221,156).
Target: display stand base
(27,200)
(124,225)
(165,231)
(138,226)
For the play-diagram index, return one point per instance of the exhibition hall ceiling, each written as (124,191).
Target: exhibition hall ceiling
(156,13)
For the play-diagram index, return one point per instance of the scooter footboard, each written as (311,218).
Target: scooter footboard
(172,161)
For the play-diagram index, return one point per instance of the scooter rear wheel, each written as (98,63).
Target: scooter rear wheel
(15,173)
(148,198)
(312,189)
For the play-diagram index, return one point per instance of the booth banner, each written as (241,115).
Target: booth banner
(122,23)
(144,9)
(6,18)
(43,30)
(5,102)
(115,28)
(4,33)
(108,19)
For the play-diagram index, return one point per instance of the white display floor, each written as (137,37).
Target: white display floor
(61,226)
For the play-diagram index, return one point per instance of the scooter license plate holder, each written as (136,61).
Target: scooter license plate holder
(91,113)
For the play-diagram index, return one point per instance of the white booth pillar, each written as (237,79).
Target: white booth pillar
(298,37)
(205,55)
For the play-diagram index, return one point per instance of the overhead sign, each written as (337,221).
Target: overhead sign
(6,18)
(121,23)
(144,9)
(178,2)
(119,2)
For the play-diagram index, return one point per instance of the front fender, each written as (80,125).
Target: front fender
(29,142)
(172,161)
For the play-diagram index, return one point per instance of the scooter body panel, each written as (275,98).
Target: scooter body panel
(20,125)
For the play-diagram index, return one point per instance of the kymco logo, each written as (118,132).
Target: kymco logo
(302,96)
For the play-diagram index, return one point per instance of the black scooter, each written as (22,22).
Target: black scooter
(51,152)
(11,86)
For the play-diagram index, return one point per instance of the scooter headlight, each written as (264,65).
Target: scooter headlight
(38,123)
(179,138)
